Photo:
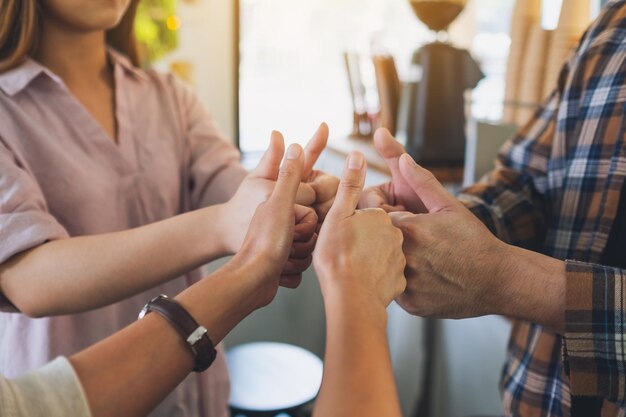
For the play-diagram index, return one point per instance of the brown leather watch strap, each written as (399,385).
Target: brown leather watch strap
(194,335)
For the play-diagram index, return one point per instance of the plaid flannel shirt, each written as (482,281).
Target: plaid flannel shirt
(555,190)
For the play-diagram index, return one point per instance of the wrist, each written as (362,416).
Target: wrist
(222,238)
(346,298)
(258,276)
(221,300)
(500,288)
(531,287)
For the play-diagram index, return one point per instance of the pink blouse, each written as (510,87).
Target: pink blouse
(61,176)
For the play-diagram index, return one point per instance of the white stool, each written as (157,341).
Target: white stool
(272,379)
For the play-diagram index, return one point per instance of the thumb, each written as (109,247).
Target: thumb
(284,194)
(390,149)
(270,162)
(350,187)
(434,195)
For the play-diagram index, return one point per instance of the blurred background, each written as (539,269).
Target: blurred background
(452,88)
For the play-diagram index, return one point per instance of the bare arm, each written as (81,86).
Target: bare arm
(358,377)
(82,273)
(129,373)
(360,266)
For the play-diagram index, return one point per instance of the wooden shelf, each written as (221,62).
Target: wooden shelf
(345,144)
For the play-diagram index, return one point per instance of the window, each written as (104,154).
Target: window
(292,73)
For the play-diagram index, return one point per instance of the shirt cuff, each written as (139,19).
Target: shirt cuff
(595,322)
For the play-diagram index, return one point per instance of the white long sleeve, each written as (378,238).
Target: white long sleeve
(53,390)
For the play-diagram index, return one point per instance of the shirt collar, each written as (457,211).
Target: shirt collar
(123,62)
(17,79)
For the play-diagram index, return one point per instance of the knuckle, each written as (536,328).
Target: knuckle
(429,179)
(286,172)
(401,286)
(351,185)
(381,213)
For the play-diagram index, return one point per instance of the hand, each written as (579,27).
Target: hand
(255,189)
(270,238)
(324,185)
(453,261)
(359,253)
(395,195)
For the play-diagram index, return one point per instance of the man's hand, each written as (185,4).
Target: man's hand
(395,195)
(454,264)
(359,253)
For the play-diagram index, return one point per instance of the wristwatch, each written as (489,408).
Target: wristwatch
(194,335)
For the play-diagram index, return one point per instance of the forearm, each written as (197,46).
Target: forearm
(82,273)
(129,373)
(532,287)
(358,378)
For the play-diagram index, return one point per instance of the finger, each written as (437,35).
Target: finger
(305,195)
(350,187)
(290,281)
(325,186)
(400,218)
(391,209)
(303,250)
(288,182)
(297,266)
(314,149)
(390,149)
(322,209)
(305,224)
(270,162)
(434,196)
(372,197)
(303,232)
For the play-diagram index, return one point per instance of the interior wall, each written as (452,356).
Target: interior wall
(207,41)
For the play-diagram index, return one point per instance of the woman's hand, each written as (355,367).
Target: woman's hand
(324,185)
(269,247)
(359,253)
(360,266)
(316,190)
(255,189)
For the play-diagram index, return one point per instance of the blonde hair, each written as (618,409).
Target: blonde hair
(20,31)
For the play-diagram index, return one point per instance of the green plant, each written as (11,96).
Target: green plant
(156,28)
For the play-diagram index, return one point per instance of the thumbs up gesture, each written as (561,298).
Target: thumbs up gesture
(268,247)
(453,260)
(359,252)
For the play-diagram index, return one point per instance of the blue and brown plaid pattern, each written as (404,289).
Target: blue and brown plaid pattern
(556,189)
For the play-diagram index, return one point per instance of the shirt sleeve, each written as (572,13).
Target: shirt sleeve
(595,323)
(213,161)
(51,391)
(510,199)
(24,218)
